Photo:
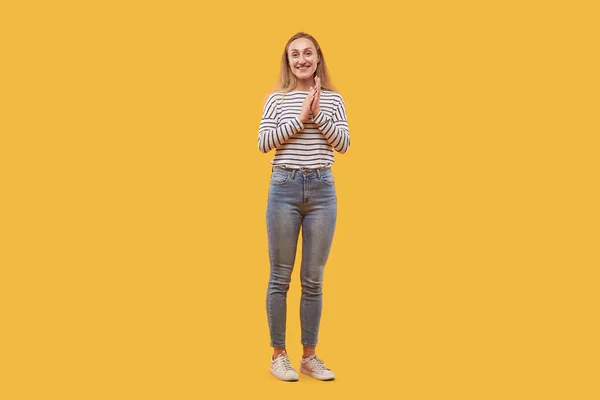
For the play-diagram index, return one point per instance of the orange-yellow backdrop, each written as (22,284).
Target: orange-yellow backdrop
(134,254)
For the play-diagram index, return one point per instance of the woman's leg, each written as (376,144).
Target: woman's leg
(317,234)
(283,226)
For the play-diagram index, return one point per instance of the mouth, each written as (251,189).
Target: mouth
(302,69)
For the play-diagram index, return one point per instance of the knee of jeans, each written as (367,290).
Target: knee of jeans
(281,283)
(312,287)
(277,287)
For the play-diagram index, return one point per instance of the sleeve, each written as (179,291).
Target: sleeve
(269,135)
(335,127)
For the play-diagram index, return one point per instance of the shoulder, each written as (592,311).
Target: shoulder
(273,96)
(331,94)
(335,97)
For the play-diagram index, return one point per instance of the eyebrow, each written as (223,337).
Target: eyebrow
(308,48)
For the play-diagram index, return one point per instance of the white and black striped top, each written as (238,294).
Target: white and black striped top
(299,145)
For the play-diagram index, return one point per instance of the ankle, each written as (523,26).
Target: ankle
(277,352)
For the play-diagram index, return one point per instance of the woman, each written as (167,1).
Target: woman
(305,122)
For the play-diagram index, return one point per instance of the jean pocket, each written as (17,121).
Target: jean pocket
(327,179)
(279,178)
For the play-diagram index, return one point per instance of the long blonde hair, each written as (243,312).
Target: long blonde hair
(287,79)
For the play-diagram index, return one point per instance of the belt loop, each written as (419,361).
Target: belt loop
(293,173)
(319,174)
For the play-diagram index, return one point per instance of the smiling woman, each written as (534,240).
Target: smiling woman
(305,122)
(302,50)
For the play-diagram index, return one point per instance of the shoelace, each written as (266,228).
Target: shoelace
(284,361)
(317,362)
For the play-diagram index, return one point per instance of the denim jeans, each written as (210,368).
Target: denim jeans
(307,199)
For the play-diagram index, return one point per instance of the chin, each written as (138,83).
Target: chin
(305,76)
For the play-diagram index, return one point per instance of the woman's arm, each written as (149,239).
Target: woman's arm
(269,135)
(335,127)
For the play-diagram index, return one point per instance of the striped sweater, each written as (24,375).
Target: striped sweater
(299,145)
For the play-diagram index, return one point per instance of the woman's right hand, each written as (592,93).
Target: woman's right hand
(306,106)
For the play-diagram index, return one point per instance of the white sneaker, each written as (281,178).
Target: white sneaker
(315,367)
(282,369)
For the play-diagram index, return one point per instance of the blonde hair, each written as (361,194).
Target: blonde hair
(287,79)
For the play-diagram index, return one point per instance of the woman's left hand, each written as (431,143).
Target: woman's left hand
(315,109)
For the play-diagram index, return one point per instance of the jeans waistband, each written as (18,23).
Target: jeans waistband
(305,171)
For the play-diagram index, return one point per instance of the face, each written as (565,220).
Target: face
(303,58)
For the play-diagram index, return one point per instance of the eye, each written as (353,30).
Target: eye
(308,53)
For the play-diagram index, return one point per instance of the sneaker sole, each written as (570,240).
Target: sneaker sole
(282,379)
(309,373)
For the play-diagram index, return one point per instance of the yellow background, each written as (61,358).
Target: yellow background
(134,257)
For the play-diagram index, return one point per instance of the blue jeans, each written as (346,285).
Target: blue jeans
(307,199)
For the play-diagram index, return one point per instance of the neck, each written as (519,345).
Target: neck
(304,84)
